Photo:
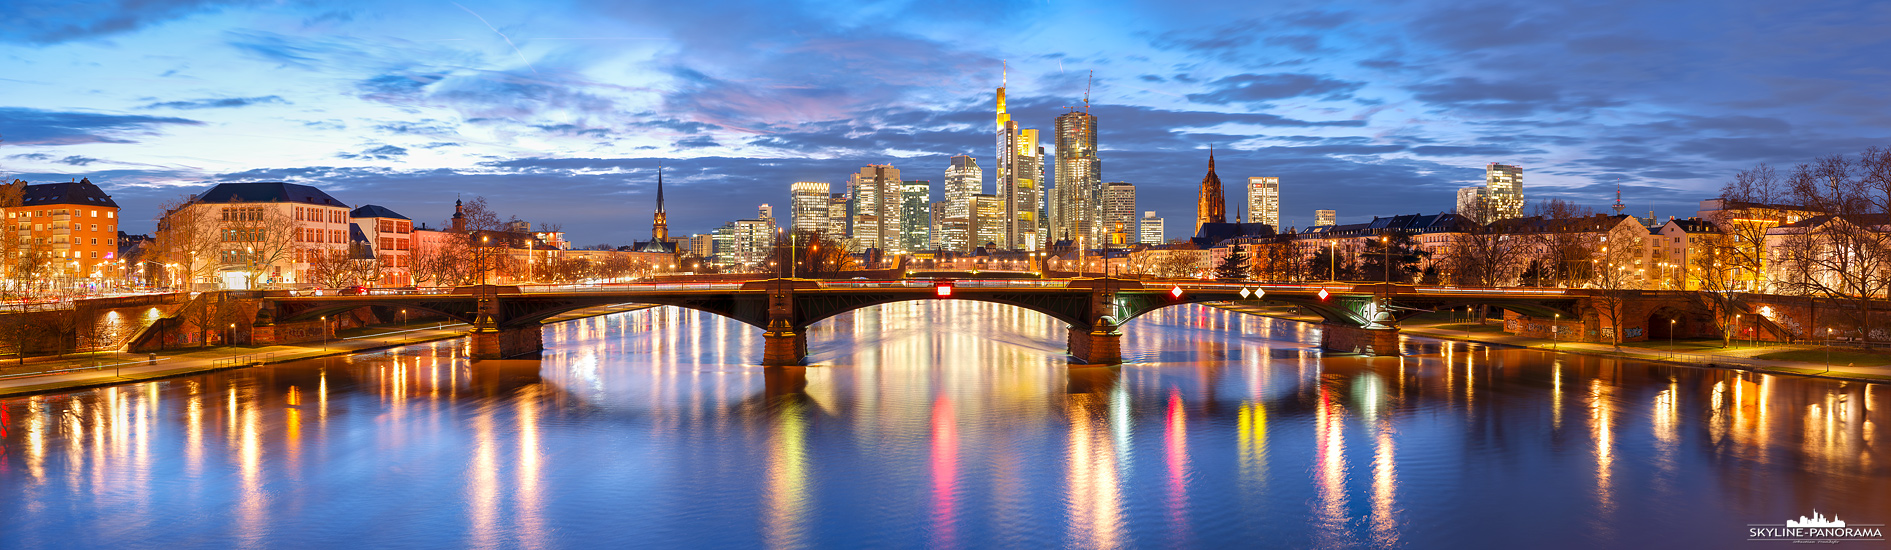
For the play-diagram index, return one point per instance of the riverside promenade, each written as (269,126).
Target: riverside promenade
(1744,357)
(47,375)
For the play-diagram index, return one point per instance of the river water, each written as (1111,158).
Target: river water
(943,424)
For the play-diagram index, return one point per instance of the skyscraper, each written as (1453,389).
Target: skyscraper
(1119,211)
(988,220)
(809,207)
(915,215)
(838,216)
(1323,217)
(1471,204)
(1503,191)
(963,179)
(1210,206)
(1264,201)
(1079,178)
(1149,230)
(876,195)
(1020,180)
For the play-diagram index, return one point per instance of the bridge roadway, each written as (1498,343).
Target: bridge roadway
(1359,318)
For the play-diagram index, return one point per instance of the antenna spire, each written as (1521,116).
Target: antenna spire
(1004,73)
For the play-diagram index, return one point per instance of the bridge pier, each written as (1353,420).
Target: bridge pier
(784,345)
(501,343)
(1098,346)
(1366,341)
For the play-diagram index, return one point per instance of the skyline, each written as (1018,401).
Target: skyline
(1388,107)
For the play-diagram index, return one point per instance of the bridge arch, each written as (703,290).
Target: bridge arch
(807,316)
(331,309)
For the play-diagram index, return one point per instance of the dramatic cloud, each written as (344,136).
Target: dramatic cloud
(48,21)
(25,126)
(1258,88)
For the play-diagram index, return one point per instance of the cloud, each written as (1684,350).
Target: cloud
(24,126)
(384,152)
(1257,88)
(31,156)
(217,103)
(77,160)
(1510,98)
(53,21)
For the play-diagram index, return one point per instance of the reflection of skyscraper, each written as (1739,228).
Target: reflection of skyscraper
(1210,205)
(962,180)
(809,206)
(1264,201)
(915,215)
(1079,179)
(1324,217)
(1020,180)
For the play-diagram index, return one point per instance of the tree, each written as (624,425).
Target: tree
(1616,274)
(188,241)
(1279,260)
(1718,283)
(1234,266)
(1178,263)
(813,255)
(255,237)
(1566,236)
(1750,206)
(1485,255)
(1844,255)
(1333,264)
(1393,257)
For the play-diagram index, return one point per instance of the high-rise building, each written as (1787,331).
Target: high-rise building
(838,216)
(1210,205)
(1149,229)
(745,244)
(988,220)
(915,215)
(1471,204)
(876,193)
(1325,217)
(1503,191)
(1020,165)
(1264,201)
(1119,211)
(809,207)
(963,179)
(1076,199)
(936,218)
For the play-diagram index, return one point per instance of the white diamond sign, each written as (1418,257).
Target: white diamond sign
(1244,293)
(1259,293)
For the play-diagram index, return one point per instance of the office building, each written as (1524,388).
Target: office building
(876,206)
(988,220)
(1119,211)
(839,214)
(915,216)
(808,206)
(1149,229)
(1020,165)
(1075,202)
(1503,191)
(1324,217)
(963,179)
(1264,201)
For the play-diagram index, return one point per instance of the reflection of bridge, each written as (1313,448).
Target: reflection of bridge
(1358,318)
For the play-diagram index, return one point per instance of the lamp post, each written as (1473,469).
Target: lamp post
(1556,328)
(1828,350)
(1671,334)
(324,333)
(232,343)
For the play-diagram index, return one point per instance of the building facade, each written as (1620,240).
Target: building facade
(1264,201)
(1210,204)
(808,206)
(1325,217)
(1119,213)
(393,238)
(72,226)
(1020,165)
(963,180)
(1149,229)
(1076,203)
(915,216)
(876,192)
(988,220)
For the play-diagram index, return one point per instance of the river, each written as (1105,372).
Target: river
(942,424)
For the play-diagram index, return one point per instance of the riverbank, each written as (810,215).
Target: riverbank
(72,374)
(1739,358)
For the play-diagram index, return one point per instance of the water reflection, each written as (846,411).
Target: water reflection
(940,424)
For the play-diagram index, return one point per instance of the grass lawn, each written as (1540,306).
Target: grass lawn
(1839,357)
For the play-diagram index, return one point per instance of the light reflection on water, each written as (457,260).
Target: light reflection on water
(941,424)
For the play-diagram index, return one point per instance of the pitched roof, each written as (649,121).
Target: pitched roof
(268,191)
(81,192)
(375,211)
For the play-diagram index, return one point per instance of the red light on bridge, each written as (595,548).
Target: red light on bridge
(944,290)
(1176,291)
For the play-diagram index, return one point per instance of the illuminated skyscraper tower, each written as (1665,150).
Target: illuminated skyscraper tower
(1264,201)
(1079,179)
(1020,180)
(963,180)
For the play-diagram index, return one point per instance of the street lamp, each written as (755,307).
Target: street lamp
(324,333)
(232,344)
(1556,328)
(1671,334)
(1828,350)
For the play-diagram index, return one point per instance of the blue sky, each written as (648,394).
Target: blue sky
(558,111)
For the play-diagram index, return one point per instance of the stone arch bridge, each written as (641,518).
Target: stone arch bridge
(1358,318)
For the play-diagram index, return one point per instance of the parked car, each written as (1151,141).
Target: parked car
(356,290)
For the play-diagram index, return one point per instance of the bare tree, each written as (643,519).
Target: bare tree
(1616,274)
(1845,255)
(1750,206)
(1566,236)
(255,236)
(1484,255)
(187,240)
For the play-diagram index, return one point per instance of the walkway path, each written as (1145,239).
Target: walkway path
(1740,358)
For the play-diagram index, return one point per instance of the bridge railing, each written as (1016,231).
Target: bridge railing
(962,283)
(621,287)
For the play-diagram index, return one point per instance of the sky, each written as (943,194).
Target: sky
(558,111)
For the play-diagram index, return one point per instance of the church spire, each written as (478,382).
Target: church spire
(660,226)
(659,187)
(1210,206)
